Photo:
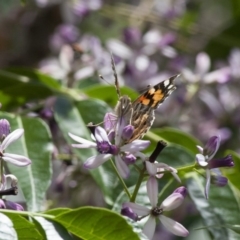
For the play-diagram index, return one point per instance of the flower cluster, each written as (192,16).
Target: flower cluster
(124,154)
(6,139)
(134,211)
(112,141)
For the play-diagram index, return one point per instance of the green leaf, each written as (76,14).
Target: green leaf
(35,144)
(25,229)
(96,223)
(57,211)
(7,231)
(92,110)
(233,173)
(21,85)
(220,211)
(53,230)
(108,93)
(69,119)
(173,135)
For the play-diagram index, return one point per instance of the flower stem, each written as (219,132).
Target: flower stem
(120,179)
(1,171)
(24,213)
(138,184)
(188,168)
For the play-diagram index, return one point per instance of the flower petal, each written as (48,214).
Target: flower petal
(152,190)
(149,227)
(96,161)
(203,63)
(122,167)
(84,145)
(13,136)
(81,140)
(200,149)
(101,134)
(135,146)
(151,168)
(138,209)
(172,201)
(109,121)
(173,226)
(16,159)
(3,183)
(208,180)
(201,160)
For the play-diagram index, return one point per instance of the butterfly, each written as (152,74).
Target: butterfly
(140,113)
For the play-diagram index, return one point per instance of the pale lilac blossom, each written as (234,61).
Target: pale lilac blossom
(201,72)
(108,150)
(156,212)
(15,159)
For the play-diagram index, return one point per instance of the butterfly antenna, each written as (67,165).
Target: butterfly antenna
(115,77)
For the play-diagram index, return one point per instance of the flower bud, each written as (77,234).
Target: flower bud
(211,147)
(128,212)
(219,181)
(4,129)
(129,159)
(2,204)
(222,162)
(13,206)
(127,132)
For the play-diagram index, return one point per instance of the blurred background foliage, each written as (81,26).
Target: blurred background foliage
(53,51)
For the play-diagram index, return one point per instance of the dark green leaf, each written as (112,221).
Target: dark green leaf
(220,211)
(173,135)
(19,86)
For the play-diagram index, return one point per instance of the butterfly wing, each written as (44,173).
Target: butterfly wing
(145,105)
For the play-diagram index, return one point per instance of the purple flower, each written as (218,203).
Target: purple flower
(107,150)
(156,212)
(15,159)
(64,34)
(205,160)
(201,72)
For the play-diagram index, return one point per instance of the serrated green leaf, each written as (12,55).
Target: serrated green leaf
(7,231)
(96,223)
(221,210)
(35,144)
(25,230)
